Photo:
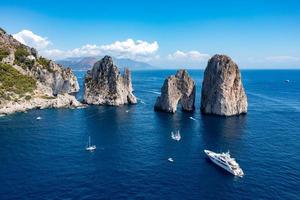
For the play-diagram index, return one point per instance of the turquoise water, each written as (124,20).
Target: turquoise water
(46,159)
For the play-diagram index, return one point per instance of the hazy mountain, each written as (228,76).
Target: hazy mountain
(85,63)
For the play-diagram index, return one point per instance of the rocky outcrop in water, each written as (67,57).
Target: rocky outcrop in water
(104,85)
(29,81)
(222,89)
(179,88)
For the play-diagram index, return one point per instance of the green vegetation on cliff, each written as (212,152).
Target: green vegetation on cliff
(3,53)
(13,81)
(21,54)
(45,63)
(21,58)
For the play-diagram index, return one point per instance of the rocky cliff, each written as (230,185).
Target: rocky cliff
(179,88)
(30,81)
(104,85)
(222,89)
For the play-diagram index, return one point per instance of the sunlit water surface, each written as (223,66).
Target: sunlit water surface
(46,159)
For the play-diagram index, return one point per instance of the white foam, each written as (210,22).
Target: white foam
(192,118)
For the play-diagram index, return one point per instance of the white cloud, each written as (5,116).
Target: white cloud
(137,50)
(190,55)
(86,50)
(131,47)
(283,58)
(30,39)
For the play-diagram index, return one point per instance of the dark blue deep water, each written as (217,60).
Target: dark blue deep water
(46,159)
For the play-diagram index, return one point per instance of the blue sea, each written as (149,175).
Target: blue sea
(46,159)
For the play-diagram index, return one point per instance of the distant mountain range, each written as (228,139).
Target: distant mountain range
(85,63)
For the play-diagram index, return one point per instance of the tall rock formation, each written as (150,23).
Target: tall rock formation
(222,89)
(104,85)
(29,81)
(179,88)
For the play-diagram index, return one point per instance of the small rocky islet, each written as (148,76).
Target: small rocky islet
(104,85)
(222,88)
(176,89)
(29,81)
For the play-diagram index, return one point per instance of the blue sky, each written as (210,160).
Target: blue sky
(256,34)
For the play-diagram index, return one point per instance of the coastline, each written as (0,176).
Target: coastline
(61,101)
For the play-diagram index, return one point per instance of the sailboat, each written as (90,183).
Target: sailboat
(176,136)
(90,147)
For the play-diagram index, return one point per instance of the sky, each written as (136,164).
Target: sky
(170,34)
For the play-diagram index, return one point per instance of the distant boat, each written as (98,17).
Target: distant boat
(90,147)
(287,81)
(38,118)
(192,118)
(127,111)
(170,160)
(176,136)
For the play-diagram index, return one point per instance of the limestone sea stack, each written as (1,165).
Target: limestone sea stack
(222,89)
(179,88)
(104,85)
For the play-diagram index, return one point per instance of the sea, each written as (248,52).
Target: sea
(46,159)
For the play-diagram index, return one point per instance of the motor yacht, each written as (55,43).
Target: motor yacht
(224,161)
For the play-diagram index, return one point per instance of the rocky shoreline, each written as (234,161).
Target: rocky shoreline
(61,101)
(29,81)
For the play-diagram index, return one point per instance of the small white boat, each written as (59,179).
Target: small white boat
(39,118)
(90,147)
(127,111)
(224,161)
(192,118)
(170,160)
(176,136)
(287,81)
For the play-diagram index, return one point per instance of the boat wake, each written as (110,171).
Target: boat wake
(152,91)
(281,102)
(176,136)
(141,101)
(192,118)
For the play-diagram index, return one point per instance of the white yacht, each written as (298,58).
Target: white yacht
(90,147)
(226,162)
(176,136)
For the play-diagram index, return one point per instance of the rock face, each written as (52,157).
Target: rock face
(29,81)
(222,89)
(104,85)
(179,88)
